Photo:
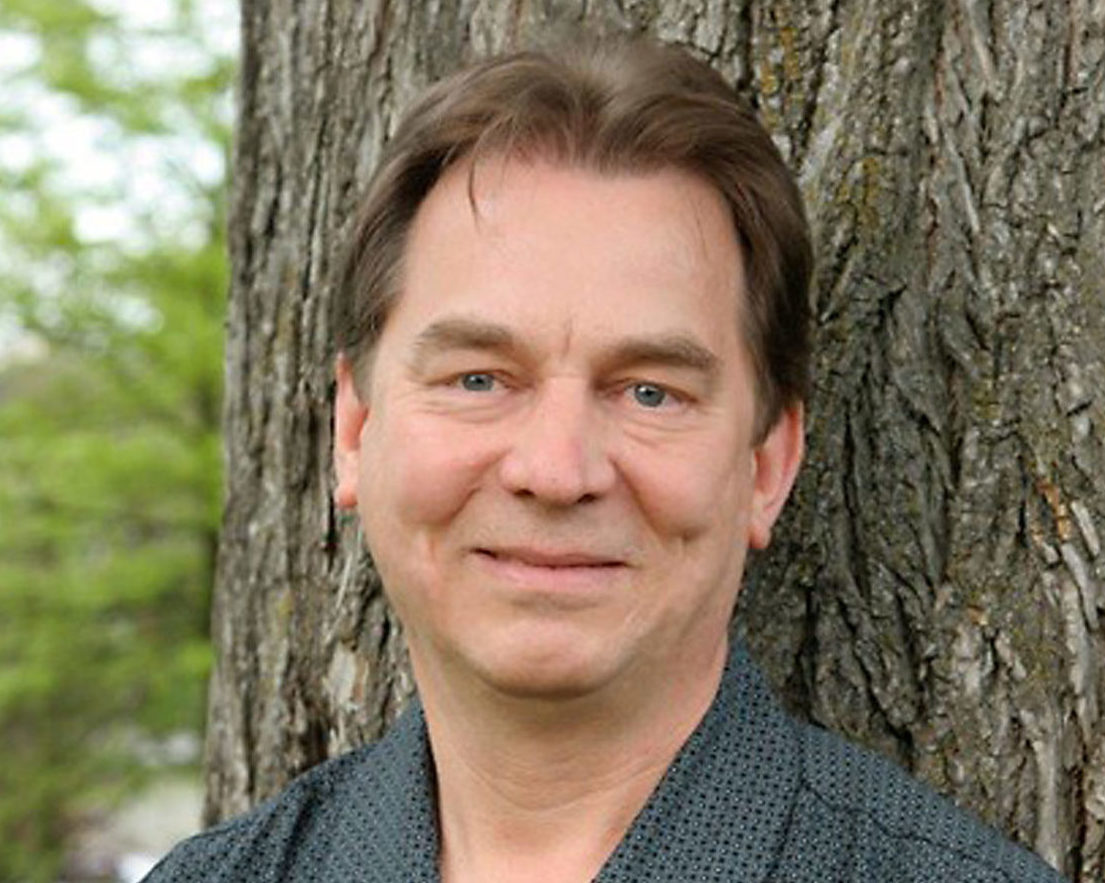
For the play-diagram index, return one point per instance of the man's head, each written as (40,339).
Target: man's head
(613,108)
(551,408)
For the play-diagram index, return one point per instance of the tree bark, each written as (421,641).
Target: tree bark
(936,588)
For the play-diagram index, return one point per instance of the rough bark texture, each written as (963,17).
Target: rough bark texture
(937,586)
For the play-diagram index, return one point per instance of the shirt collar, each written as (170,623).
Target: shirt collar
(721,808)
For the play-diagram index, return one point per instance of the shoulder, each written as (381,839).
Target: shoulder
(363,816)
(869,819)
(255,845)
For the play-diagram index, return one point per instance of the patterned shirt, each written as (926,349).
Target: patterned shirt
(753,795)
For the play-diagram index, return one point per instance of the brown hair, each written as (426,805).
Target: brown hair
(612,107)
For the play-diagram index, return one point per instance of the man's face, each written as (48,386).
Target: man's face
(554,458)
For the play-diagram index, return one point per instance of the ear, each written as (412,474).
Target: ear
(350,414)
(777,459)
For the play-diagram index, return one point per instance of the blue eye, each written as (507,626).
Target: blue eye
(649,395)
(477,382)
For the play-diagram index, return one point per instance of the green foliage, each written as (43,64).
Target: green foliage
(112,286)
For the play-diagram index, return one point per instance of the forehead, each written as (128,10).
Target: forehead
(565,232)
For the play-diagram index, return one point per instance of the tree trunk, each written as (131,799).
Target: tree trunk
(936,587)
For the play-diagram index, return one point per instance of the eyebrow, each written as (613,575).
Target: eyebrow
(674,349)
(459,333)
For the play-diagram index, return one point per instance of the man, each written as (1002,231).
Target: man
(573,337)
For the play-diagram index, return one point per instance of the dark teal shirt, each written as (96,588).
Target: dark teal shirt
(754,795)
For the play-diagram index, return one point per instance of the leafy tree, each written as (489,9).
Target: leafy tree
(112,280)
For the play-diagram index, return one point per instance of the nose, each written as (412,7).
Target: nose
(559,453)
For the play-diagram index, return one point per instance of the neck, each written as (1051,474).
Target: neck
(535,788)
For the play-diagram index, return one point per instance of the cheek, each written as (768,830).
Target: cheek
(417,474)
(696,495)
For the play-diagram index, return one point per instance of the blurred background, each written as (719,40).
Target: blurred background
(115,121)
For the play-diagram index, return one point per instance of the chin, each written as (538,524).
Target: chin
(549,673)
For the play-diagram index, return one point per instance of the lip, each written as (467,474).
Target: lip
(557,576)
(549,558)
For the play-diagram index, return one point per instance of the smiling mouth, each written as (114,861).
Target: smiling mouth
(550,560)
(566,580)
